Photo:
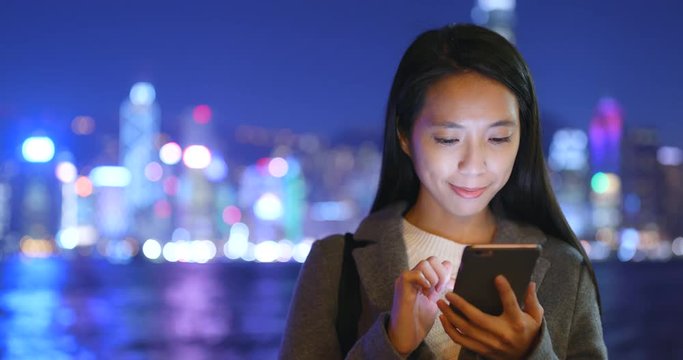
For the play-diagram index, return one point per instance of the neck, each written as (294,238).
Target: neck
(476,229)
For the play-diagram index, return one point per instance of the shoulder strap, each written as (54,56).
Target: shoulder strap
(348,301)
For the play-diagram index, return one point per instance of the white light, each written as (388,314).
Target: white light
(670,156)
(170,153)
(238,242)
(301,251)
(286,250)
(236,247)
(68,238)
(677,246)
(66,172)
(197,157)
(267,251)
(268,207)
(38,149)
(278,167)
(142,93)
(491,5)
(201,251)
(170,252)
(151,249)
(110,176)
(249,255)
(629,245)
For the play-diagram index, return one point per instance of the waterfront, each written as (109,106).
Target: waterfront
(86,308)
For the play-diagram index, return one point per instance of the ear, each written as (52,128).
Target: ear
(404,142)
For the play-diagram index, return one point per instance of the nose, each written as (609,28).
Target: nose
(473,160)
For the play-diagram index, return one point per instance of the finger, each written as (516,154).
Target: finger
(507,296)
(531,304)
(414,279)
(442,270)
(428,271)
(469,328)
(474,315)
(459,336)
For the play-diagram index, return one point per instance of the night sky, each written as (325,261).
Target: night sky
(318,66)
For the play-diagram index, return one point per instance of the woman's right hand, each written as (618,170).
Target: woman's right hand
(414,309)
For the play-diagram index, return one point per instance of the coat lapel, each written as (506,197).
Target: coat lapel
(384,257)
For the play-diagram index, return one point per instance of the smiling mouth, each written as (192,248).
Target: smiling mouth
(468,193)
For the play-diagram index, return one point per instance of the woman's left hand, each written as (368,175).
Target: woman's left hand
(511,335)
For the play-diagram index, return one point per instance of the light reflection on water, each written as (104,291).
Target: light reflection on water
(90,309)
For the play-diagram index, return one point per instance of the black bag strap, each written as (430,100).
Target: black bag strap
(348,300)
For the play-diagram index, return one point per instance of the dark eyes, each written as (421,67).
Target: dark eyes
(450,141)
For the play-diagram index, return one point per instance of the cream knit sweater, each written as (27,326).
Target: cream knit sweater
(419,246)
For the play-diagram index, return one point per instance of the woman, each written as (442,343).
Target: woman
(462,165)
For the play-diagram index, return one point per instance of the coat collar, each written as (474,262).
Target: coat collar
(384,258)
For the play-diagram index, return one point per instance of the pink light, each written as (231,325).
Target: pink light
(232,215)
(171,185)
(153,171)
(278,167)
(202,114)
(162,209)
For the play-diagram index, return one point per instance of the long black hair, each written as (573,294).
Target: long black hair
(527,197)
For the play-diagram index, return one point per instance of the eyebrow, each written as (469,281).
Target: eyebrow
(454,125)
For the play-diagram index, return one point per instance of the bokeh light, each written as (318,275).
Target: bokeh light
(170,153)
(84,186)
(268,207)
(38,149)
(66,172)
(154,171)
(231,214)
(278,167)
(202,114)
(217,169)
(267,251)
(142,94)
(110,176)
(83,125)
(151,249)
(197,157)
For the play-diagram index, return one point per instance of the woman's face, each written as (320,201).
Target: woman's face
(463,144)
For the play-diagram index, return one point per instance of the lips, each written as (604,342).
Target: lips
(468,193)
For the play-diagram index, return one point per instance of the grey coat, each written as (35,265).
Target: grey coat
(571,328)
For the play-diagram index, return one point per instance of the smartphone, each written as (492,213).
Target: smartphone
(482,263)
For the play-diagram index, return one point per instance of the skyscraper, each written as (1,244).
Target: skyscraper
(497,15)
(605,148)
(139,128)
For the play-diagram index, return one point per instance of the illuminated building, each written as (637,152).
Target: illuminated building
(605,148)
(34,191)
(641,179)
(670,160)
(497,15)
(568,162)
(140,125)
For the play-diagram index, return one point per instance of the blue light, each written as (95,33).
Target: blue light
(110,176)
(38,149)
(142,94)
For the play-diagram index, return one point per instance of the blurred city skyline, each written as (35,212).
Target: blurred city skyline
(310,67)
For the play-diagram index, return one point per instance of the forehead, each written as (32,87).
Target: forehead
(469,97)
